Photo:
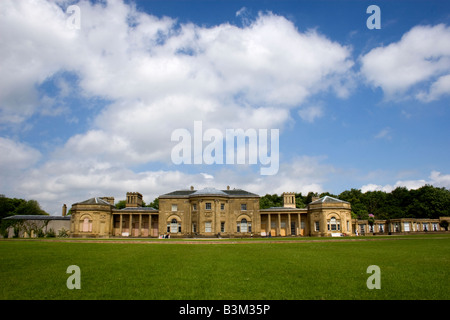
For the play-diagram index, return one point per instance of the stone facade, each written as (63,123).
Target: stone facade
(209,212)
(398,226)
(29,226)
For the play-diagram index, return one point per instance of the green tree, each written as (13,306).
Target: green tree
(154,204)
(269,201)
(121,204)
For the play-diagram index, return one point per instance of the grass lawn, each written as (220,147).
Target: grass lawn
(411,268)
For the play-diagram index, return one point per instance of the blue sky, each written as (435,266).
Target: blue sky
(89,111)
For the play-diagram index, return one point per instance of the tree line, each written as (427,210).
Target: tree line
(14,206)
(426,202)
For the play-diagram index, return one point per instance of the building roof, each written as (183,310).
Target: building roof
(96,200)
(36,217)
(282,209)
(138,209)
(240,193)
(178,193)
(209,192)
(328,199)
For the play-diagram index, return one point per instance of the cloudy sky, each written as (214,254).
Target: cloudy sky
(89,99)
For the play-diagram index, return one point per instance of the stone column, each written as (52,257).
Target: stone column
(130,233)
(279,225)
(289,225)
(140,225)
(269,224)
(120,225)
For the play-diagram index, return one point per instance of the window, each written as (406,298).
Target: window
(194,207)
(208,205)
(222,227)
(86,225)
(317,226)
(406,226)
(244,207)
(435,226)
(244,225)
(333,224)
(362,229)
(208,226)
(222,206)
(293,228)
(174,226)
(194,227)
(174,207)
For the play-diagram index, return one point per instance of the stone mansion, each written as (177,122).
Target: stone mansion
(209,212)
(228,213)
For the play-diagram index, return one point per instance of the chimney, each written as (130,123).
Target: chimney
(64,210)
(192,188)
(134,200)
(228,187)
(289,199)
(110,200)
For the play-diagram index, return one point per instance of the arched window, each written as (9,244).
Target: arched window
(174,226)
(86,225)
(244,227)
(334,224)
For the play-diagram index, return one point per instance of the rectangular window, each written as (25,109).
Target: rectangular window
(194,207)
(222,206)
(249,227)
(194,227)
(222,227)
(244,207)
(406,226)
(174,207)
(317,226)
(208,226)
(208,205)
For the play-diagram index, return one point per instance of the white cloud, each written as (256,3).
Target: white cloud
(438,89)
(161,75)
(311,113)
(421,57)
(384,133)
(16,155)
(436,179)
